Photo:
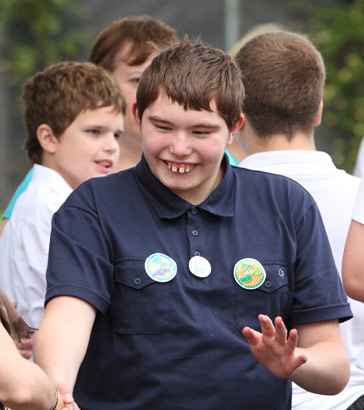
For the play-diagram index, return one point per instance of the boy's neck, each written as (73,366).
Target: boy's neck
(253,144)
(300,141)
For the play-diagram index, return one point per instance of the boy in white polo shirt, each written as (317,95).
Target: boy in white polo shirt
(74,115)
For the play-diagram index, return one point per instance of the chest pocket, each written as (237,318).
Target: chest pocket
(273,298)
(139,304)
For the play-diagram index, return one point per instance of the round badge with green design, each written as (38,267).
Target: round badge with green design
(249,273)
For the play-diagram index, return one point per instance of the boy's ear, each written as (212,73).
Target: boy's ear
(319,114)
(136,113)
(235,129)
(47,139)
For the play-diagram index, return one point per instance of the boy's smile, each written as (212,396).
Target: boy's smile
(184,148)
(179,168)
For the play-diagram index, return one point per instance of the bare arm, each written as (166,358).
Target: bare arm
(353,262)
(23,385)
(313,356)
(327,370)
(61,342)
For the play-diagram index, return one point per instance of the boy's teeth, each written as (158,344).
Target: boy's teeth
(104,164)
(180,169)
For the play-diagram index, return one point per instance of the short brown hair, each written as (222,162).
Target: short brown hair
(194,76)
(141,32)
(57,95)
(284,78)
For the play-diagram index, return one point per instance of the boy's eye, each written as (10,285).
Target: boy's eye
(117,135)
(201,132)
(93,132)
(135,80)
(163,127)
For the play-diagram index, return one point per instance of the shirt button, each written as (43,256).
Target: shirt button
(197,253)
(268,284)
(195,232)
(137,281)
(193,211)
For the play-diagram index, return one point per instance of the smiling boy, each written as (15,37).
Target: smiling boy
(146,303)
(74,117)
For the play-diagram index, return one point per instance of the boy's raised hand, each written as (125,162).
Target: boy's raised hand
(272,348)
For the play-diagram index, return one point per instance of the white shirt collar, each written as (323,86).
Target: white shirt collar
(261,160)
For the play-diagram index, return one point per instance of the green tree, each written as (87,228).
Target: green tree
(33,35)
(36,34)
(339,35)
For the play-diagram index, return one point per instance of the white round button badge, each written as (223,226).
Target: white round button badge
(160,267)
(199,266)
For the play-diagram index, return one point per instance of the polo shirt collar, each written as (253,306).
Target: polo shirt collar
(289,157)
(169,205)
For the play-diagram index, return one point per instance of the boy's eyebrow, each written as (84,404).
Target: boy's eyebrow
(158,119)
(139,72)
(103,127)
(205,125)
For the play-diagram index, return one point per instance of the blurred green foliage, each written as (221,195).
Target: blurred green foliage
(37,33)
(339,35)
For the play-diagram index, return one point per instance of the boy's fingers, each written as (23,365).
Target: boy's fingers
(251,335)
(266,325)
(292,340)
(281,331)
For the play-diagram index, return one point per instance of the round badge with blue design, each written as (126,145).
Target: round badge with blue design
(249,273)
(160,267)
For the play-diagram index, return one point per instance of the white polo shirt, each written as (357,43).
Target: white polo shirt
(25,242)
(335,192)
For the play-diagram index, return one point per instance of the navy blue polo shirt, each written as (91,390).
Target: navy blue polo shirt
(178,345)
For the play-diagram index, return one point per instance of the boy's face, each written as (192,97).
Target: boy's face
(127,77)
(184,148)
(88,147)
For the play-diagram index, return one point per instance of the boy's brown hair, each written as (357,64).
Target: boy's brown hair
(195,76)
(284,78)
(57,95)
(140,32)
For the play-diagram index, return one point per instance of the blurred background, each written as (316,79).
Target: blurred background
(37,33)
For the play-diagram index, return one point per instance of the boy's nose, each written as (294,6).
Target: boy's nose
(112,144)
(180,146)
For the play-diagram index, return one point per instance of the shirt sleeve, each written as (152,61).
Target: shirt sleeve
(318,292)
(21,188)
(24,254)
(79,262)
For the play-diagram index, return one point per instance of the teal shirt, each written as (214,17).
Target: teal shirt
(232,159)
(21,188)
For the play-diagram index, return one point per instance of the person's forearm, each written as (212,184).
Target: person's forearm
(353,262)
(23,385)
(326,371)
(62,339)
(32,391)
(50,353)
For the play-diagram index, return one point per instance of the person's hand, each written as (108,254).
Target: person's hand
(272,348)
(67,398)
(26,349)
